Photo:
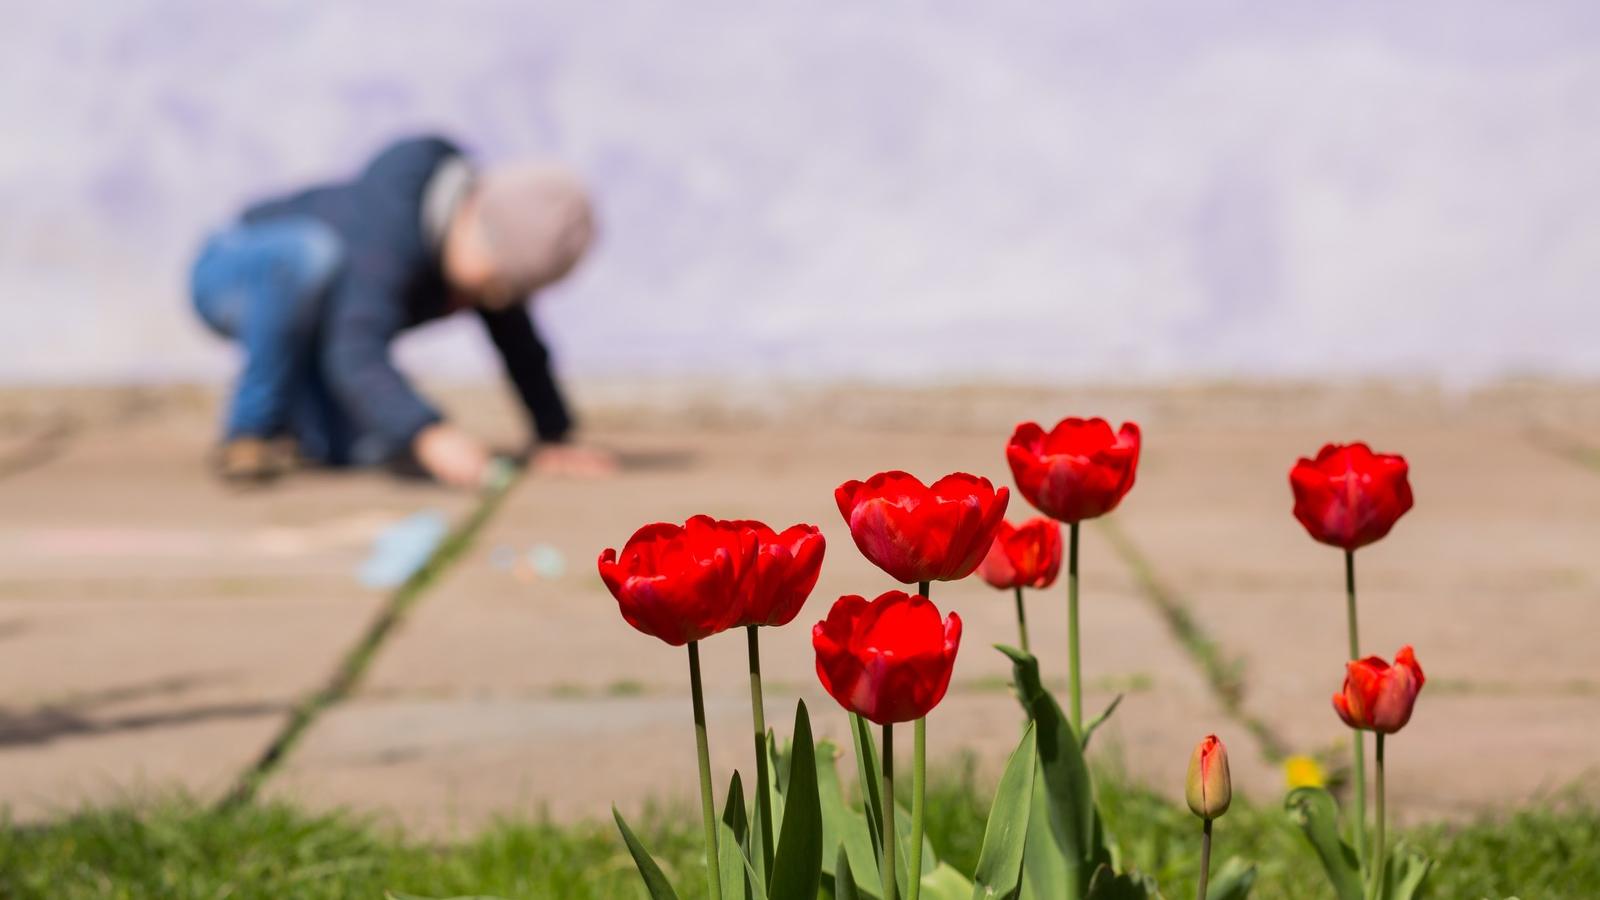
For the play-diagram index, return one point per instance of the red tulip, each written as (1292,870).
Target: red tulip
(1349,496)
(1078,470)
(787,566)
(1377,696)
(1026,555)
(889,660)
(916,532)
(682,583)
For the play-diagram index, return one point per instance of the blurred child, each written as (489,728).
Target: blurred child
(316,285)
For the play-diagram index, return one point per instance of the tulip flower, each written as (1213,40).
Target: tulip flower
(787,566)
(1349,497)
(1378,697)
(1078,470)
(920,533)
(1026,555)
(1209,790)
(684,583)
(890,660)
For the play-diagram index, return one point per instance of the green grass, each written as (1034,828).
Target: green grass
(177,850)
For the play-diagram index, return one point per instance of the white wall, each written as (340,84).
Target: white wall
(814,189)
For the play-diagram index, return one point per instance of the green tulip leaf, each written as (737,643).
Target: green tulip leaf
(999,872)
(858,829)
(750,852)
(734,867)
(654,881)
(760,826)
(1088,730)
(774,789)
(797,861)
(1066,843)
(902,856)
(945,883)
(732,832)
(844,881)
(1043,865)
(867,774)
(1233,881)
(1108,885)
(842,826)
(1404,874)
(1314,810)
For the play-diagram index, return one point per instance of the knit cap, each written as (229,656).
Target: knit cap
(537,223)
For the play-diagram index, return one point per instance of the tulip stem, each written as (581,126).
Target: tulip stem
(890,836)
(1350,602)
(919,790)
(1022,621)
(919,787)
(758,713)
(1205,858)
(708,806)
(1378,852)
(1073,677)
(1358,741)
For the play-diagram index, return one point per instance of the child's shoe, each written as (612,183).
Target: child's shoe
(252,460)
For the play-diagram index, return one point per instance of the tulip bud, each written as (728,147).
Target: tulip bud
(1209,788)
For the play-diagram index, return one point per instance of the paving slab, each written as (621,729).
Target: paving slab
(1492,577)
(156,626)
(504,695)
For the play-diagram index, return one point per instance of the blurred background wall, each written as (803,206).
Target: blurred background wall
(885,190)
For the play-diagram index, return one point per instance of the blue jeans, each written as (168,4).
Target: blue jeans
(264,285)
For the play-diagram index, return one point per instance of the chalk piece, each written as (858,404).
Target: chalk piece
(402,549)
(547,561)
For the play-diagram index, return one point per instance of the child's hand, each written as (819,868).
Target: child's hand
(574,461)
(451,456)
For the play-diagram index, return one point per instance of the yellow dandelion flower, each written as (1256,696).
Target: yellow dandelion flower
(1303,771)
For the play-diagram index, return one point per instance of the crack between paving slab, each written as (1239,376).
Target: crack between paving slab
(1223,674)
(1564,446)
(41,448)
(63,427)
(359,657)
